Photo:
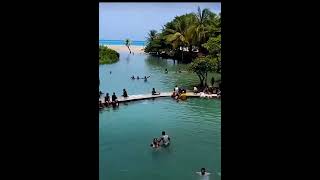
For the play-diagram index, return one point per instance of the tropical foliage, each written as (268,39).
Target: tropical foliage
(191,38)
(214,47)
(107,56)
(202,66)
(185,33)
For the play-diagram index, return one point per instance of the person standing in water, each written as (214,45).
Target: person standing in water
(166,71)
(146,78)
(165,139)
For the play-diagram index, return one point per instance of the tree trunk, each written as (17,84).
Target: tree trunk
(201,78)
(206,78)
(129,49)
(182,55)
(190,49)
(219,65)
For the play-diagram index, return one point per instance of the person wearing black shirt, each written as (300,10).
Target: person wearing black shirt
(154,92)
(114,97)
(125,94)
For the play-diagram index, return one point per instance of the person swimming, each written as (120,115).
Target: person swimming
(132,77)
(138,77)
(155,143)
(166,71)
(146,78)
(203,172)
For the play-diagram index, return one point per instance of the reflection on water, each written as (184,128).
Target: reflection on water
(143,65)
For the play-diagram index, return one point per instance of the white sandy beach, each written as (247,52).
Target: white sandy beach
(123,48)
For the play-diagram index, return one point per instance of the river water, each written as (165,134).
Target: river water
(125,133)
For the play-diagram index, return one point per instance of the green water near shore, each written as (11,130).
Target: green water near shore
(125,133)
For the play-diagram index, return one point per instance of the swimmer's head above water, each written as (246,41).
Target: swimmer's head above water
(203,171)
(155,143)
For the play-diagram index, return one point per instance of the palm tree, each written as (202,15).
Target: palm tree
(128,42)
(178,33)
(214,24)
(201,25)
(152,35)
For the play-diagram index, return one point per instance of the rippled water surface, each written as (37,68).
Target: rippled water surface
(126,133)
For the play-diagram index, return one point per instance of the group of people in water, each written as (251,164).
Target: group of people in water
(162,141)
(145,78)
(179,93)
(166,71)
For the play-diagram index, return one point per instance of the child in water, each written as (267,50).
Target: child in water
(155,143)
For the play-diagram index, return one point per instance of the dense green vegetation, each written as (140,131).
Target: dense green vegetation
(193,38)
(107,56)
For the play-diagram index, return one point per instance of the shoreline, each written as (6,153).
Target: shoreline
(122,48)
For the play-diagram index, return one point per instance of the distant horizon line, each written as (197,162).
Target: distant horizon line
(117,40)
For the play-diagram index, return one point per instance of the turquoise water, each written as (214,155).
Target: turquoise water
(125,133)
(121,42)
(142,65)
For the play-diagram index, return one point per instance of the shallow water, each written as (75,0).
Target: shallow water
(125,133)
(142,65)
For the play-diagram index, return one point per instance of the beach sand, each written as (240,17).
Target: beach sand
(123,48)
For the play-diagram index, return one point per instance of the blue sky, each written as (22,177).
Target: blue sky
(118,21)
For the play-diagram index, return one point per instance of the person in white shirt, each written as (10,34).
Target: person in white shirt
(195,90)
(165,139)
(176,89)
